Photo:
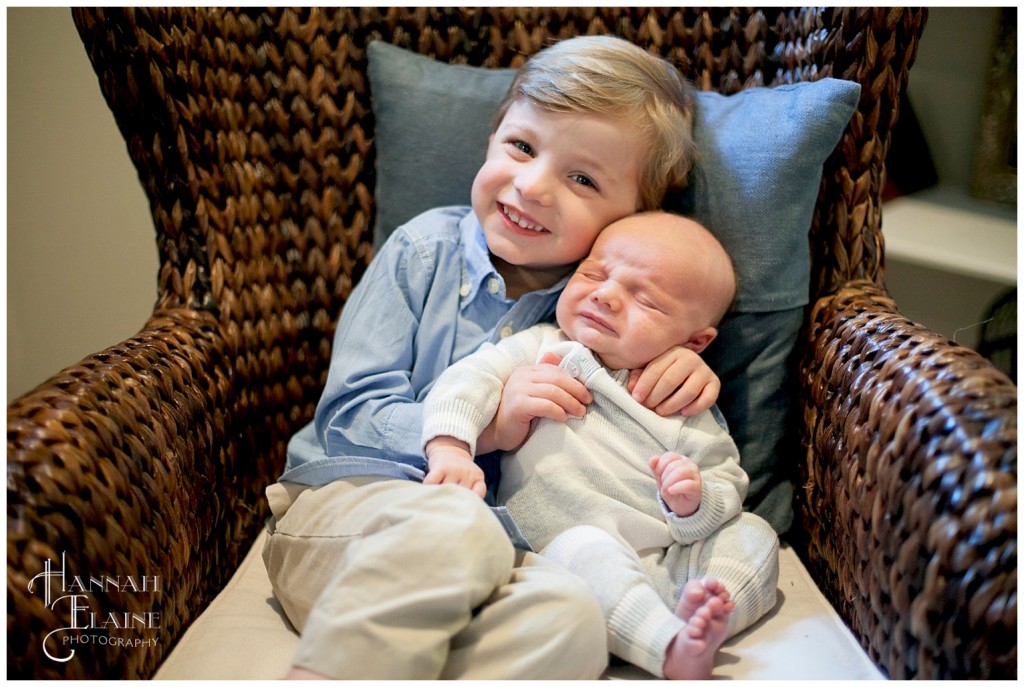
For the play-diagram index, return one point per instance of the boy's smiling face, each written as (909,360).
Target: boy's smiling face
(552,181)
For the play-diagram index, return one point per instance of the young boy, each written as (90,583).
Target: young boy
(642,531)
(386,577)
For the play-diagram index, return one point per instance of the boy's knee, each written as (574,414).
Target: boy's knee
(587,610)
(574,630)
(584,628)
(463,530)
(460,515)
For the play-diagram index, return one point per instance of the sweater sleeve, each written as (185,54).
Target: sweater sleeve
(724,483)
(465,397)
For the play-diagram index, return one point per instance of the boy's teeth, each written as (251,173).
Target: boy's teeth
(521,222)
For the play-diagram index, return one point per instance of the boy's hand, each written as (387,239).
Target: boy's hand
(679,482)
(450,462)
(677,381)
(541,390)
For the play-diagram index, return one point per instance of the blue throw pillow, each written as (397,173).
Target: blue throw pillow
(754,186)
(433,122)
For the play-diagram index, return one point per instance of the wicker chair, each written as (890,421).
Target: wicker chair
(150,458)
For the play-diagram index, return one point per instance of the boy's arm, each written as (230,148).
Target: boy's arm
(369,404)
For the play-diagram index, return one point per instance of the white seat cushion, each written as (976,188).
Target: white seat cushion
(244,635)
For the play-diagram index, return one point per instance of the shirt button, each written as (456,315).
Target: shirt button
(493,285)
(505,332)
(464,290)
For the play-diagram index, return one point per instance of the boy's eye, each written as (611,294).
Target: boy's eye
(523,147)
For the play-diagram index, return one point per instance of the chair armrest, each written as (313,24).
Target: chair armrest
(907,491)
(121,475)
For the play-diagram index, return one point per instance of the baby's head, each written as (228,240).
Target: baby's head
(652,281)
(612,77)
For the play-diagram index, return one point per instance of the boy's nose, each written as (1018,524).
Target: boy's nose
(534,184)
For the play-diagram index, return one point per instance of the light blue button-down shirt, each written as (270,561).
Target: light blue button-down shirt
(429,297)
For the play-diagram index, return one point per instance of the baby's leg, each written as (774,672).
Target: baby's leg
(639,624)
(705,606)
(743,557)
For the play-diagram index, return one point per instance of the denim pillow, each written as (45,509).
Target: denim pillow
(433,121)
(755,187)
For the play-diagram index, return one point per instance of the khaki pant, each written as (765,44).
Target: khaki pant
(392,579)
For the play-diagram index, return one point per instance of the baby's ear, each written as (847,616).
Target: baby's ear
(699,341)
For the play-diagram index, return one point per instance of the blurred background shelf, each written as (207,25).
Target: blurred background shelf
(950,221)
(943,229)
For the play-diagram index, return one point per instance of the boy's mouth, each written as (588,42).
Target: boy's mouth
(519,220)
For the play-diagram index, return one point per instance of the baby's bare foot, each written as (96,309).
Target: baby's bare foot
(705,606)
(693,597)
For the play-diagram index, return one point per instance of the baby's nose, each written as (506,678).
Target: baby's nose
(606,296)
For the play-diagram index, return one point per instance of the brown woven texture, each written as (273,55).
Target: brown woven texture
(252,134)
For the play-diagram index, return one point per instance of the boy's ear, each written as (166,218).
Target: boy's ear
(699,341)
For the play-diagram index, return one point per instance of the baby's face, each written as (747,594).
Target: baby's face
(552,181)
(631,300)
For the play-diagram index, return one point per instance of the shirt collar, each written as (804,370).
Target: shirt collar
(478,269)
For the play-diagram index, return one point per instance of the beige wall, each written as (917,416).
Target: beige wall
(81,251)
(947,85)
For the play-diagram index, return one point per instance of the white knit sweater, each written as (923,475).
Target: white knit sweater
(593,470)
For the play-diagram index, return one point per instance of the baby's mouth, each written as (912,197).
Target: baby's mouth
(597,321)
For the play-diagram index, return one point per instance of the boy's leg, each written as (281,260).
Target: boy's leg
(639,624)
(379,575)
(543,624)
(744,556)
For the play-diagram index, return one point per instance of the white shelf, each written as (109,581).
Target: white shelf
(925,229)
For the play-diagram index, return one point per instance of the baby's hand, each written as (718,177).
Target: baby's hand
(541,390)
(449,462)
(677,381)
(679,482)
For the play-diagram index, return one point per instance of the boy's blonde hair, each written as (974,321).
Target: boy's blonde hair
(611,76)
